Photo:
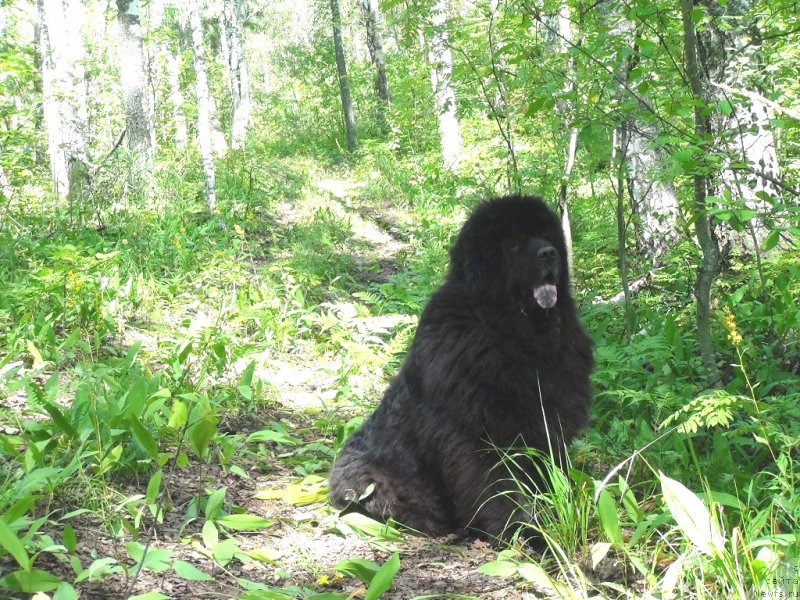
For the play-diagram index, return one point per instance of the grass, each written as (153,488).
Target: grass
(156,361)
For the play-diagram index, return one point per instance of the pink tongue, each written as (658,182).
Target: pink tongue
(546,295)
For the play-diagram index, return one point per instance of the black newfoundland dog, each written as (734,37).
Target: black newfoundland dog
(499,360)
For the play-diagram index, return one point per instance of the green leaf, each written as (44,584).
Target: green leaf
(591,133)
(361,569)
(535,574)
(535,106)
(65,591)
(30,581)
(189,572)
(692,516)
(68,538)
(130,356)
(224,551)
(143,437)
(99,569)
(771,240)
(149,596)
(210,535)
(265,555)
(20,508)
(200,434)
(60,420)
(214,504)
(153,487)
(157,560)
(13,545)
(137,397)
(599,552)
(111,459)
(646,47)
(382,580)
(37,357)
(247,375)
(499,568)
(274,435)
(244,522)
(370,527)
(185,351)
(725,106)
(309,490)
(607,511)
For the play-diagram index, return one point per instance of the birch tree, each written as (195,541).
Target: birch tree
(341,69)
(203,104)
(64,87)
(232,42)
(168,58)
(653,199)
(501,109)
(728,47)
(375,46)
(139,111)
(441,61)
(567,108)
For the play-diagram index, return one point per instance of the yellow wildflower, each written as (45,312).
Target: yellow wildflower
(734,337)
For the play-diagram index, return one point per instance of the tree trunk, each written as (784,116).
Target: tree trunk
(238,75)
(710,259)
(441,61)
(341,68)
(563,204)
(203,105)
(37,82)
(500,107)
(375,46)
(566,108)
(742,129)
(654,202)
(619,152)
(176,100)
(140,136)
(64,85)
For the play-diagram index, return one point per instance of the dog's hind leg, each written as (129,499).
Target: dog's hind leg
(355,480)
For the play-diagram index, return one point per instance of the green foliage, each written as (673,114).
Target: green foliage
(145,343)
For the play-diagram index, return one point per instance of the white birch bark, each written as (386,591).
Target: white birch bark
(204,137)
(654,201)
(441,61)
(341,68)
(176,100)
(166,76)
(371,11)
(567,108)
(231,31)
(139,111)
(750,167)
(64,86)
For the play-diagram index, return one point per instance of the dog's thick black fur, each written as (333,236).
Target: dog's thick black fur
(498,347)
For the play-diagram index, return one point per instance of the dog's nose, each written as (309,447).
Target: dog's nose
(546,253)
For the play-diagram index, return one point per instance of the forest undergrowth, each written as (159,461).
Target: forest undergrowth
(175,383)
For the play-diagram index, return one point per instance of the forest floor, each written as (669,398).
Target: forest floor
(300,553)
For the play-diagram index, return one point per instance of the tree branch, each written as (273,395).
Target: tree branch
(758,98)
